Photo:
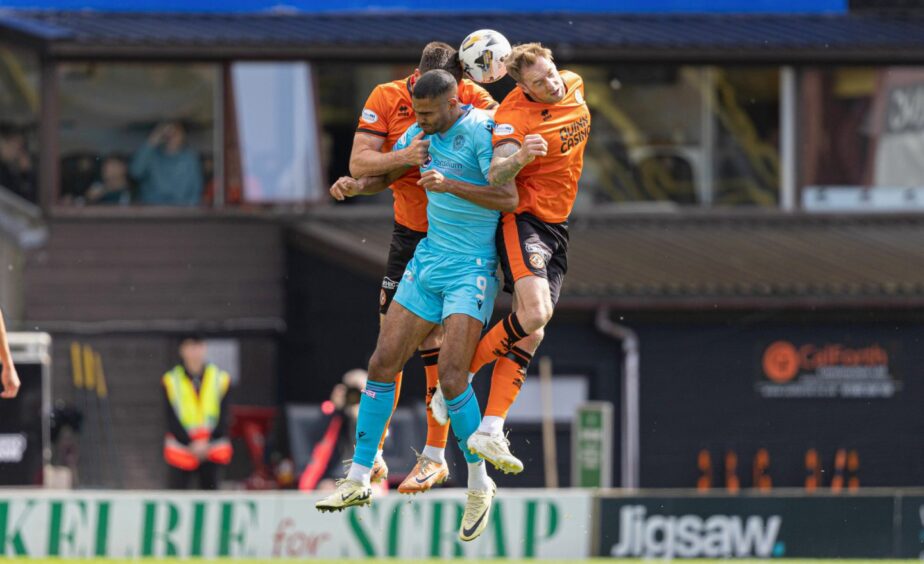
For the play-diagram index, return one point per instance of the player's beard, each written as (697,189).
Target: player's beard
(435,127)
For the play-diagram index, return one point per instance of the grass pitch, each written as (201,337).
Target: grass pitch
(444,561)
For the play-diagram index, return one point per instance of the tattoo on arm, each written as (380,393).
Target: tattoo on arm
(502,198)
(504,167)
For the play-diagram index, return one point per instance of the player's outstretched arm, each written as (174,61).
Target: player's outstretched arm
(510,158)
(501,198)
(9,377)
(348,187)
(367,158)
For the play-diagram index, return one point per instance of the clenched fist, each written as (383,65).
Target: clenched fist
(432,180)
(533,146)
(10,381)
(345,187)
(417,153)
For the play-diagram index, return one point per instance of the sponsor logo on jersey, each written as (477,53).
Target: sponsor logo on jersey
(503,129)
(574,133)
(447,164)
(546,115)
(369,116)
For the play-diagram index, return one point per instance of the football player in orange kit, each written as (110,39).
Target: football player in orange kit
(386,115)
(541,129)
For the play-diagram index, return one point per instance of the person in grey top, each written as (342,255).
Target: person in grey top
(168,171)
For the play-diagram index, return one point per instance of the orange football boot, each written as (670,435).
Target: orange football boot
(426,474)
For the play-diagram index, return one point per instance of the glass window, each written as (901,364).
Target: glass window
(19,114)
(681,135)
(685,135)
(342,91)
(862,138)
(137,133)
(746,110)
(277,158)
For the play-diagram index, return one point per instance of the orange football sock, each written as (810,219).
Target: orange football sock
(436,434)
(393,407)
(497,342)
(507,381)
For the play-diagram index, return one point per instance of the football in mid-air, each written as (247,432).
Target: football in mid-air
(482,55)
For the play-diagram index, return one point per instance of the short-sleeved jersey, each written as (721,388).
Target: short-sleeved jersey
(462,153)
(388,113)
(548,185)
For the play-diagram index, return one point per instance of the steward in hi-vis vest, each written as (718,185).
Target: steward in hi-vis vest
(197,439)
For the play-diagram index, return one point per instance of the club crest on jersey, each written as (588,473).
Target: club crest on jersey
(370,116)
(458,142)
(536,260)
(503,129)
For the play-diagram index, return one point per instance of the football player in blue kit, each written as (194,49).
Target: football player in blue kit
(450,281)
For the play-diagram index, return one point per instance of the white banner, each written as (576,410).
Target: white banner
(524,524)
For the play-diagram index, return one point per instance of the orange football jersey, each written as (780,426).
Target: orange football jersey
(548,185)
(388,113)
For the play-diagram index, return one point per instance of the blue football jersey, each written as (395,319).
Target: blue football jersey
(462,153)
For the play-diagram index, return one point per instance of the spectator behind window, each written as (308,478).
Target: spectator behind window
(16,172)
(113,186)
(167,169)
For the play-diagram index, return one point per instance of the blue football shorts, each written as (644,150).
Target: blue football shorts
(437,284)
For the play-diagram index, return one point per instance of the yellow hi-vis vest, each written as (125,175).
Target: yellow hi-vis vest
(198,413)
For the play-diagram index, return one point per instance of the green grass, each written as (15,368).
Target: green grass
(438,561)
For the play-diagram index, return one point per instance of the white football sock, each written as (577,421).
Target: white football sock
(478,476)
(434,453)
(360,473)
(492,425)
